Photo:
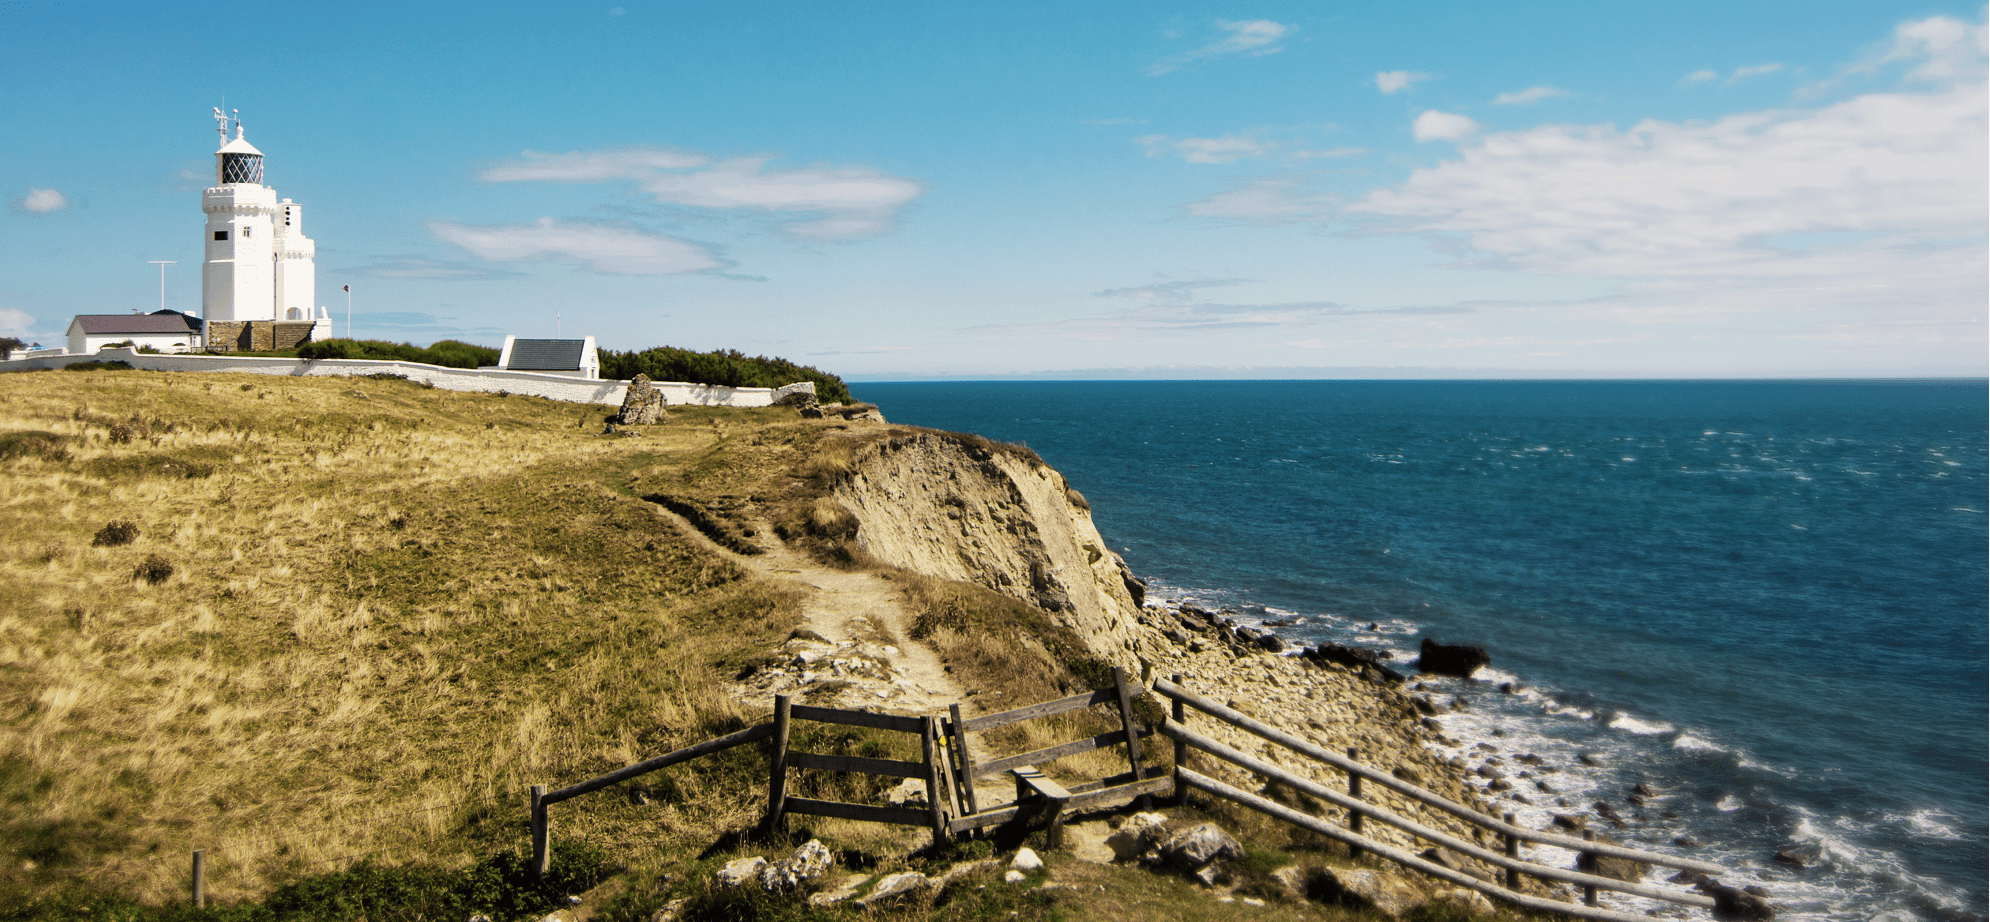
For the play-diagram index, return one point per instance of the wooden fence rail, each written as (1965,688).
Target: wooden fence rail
(1186,739)
(542,832)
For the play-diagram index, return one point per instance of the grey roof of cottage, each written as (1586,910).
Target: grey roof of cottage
(546,354)
(98,324)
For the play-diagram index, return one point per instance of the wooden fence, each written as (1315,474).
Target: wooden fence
(954,794)
(1357,808)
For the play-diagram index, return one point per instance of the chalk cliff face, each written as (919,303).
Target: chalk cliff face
(958,509)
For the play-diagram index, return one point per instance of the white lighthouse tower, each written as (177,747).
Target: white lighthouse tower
(259,263)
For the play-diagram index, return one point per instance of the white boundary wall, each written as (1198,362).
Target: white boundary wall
(552,387)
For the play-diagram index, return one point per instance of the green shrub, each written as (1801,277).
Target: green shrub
(448,353)
(724,367)
(98,366)
(155,570)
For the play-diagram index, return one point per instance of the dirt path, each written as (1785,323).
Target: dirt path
(861,653)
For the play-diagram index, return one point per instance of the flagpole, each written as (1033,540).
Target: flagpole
(348,312)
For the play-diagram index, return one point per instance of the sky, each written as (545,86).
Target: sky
(1104,190)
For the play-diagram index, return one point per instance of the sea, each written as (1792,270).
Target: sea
(1766,600)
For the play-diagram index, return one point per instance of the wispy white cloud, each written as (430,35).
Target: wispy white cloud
(1265,202)
(599,248)
(15,323)
(1529,96)
(844,201)
(1736,76)
(416,267)
(1176,308)
(1396,81)
(1433,125)
(1180,292)
(42,201)
(1943,50)
(1251,38)
(1685,215)
(1226,149)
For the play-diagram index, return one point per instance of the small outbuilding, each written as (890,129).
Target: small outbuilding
(575,358)
(166,331)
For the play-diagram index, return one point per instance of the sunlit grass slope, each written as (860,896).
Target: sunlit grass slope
(388,610)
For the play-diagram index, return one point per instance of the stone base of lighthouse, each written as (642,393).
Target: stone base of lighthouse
(264,335)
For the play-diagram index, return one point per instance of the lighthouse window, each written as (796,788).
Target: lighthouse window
(248,231)
(220,235)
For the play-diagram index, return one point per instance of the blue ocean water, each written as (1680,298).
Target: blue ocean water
(1766,599)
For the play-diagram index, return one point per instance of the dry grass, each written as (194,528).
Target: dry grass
(381,613)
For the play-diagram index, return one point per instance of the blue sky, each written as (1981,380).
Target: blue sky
(1110,190)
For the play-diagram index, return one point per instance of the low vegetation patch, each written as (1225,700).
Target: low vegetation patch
(725,367)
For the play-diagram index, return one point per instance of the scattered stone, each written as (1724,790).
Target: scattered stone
(740,870)
(910,793)
(670,911)
(843,891)
(1140,834)
(1604,810)
(1270,643)
(1194,849)
(1292,879)
(963,869)
(1687,842)
(1014,876)
(1253,901)
(1731,905)
(1446,858)
(1527,758)
(1367,889)
(1027,861)
(1754,890)
(797,871)
(1644,790)
(1593,761)
(1500,785)
(1452,659)
(1572,823)
(896,887)
(1801,856)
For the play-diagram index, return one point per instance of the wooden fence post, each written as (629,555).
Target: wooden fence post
(1512,851)
(1588,864)
(930,744)
(542,845)
(777,781)
(199,878)
(1354,816)
(1132,730)
(963,763)
(1180,714)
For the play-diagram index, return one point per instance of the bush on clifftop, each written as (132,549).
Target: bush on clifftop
(448,353)
(725,367)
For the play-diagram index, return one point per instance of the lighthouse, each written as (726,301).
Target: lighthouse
(259,263)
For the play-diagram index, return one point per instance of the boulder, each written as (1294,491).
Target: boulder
(740,870)
(1800,856)
(1140,834)
(1614,868)
(1351,657)
(642,404)
(1446,858)
(1452,659)
(1731,905)
(1194,849)
(1293,879)
(910,793)
(1269,642)
(895,887)
(797,871)
(1027,861)
(1362,888)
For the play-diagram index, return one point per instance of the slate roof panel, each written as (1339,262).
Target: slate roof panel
(98,324)
(546,354)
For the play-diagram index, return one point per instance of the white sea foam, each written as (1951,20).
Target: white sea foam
(1626,722)
(1495,676)
(1929,823)
(1689,741)
(1727,804)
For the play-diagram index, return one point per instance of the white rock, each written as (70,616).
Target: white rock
(740,870)
(1014,876)
(1026,861)
(896,886)
(808,863)
(1253,901)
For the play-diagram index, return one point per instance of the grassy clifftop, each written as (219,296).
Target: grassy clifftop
(353,617)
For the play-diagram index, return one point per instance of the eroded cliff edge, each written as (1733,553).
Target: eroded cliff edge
(961,508)
(990,514)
